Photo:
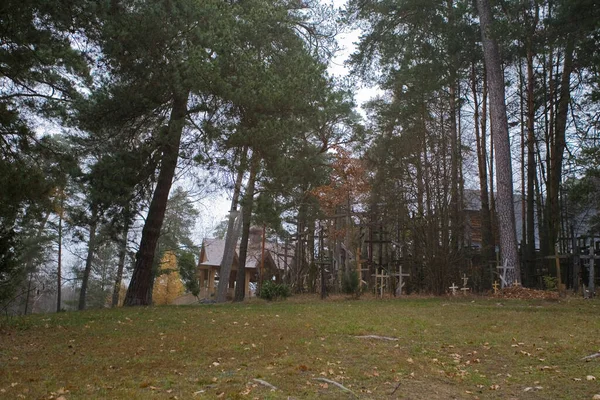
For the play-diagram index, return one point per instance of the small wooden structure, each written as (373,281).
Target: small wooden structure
(275,264)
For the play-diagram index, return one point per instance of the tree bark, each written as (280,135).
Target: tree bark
(486,221)
(247,204)
(121,266)
(59,263)
(504,201)
(531,170)
(140,288)
(89,259)
(559,143)
(232,232)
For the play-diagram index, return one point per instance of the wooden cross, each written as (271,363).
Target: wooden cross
(502,274)
(465,280)
(453,288)
(495,286)
(382,276)
(400,280)
(464,290)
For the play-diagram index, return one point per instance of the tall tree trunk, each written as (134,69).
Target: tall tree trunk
(140,287)
(233,230)
(506,212)
(486,220)
(247,204)
(121,265)
(30,266)
(531,170)
(522,126)
(89,259)
(456,223)
(59,263)
(559,143)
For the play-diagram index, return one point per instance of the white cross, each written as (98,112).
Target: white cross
(453,288)
(502,274)
(383,276)
(465,280)
(400,281)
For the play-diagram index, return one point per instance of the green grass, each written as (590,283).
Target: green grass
(447,349)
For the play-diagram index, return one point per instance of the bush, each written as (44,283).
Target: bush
(550,282)
(350,282)
(273,291)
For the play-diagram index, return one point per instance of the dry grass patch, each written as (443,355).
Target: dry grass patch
(461,348)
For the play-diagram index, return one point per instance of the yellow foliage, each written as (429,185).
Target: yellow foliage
(167,285)
(122,293)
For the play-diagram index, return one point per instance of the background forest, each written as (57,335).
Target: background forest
(117,117)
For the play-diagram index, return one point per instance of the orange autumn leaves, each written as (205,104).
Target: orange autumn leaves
(348,184)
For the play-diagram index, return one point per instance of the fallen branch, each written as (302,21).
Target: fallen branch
(377,337)
(344,388)
(591,356)
(397,386)
(265,383)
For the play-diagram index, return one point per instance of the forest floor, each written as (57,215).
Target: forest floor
(421,348)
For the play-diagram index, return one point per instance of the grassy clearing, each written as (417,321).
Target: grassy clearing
(448,348)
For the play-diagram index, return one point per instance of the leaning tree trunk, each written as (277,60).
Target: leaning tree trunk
(504,201)
(140,288)
(240,281)
(233,230)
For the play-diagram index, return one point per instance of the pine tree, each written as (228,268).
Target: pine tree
(504,200)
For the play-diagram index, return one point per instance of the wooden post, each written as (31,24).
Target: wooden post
(200,275)
(247,284)
(262,259)
(591,285)
(575,261)
(211,282)
(358,266)
(558,274)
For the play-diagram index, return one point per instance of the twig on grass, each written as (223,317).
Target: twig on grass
(377,337)
(397,386)
(265,383)
(344,388)
(591,356)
